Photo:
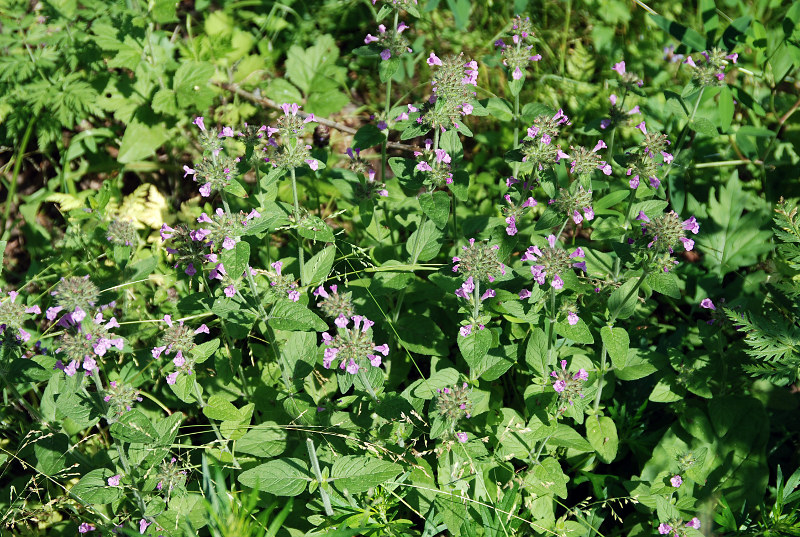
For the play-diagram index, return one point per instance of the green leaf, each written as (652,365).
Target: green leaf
(300,354)
(708,11)
(602,435)
(536,352)
(314,68)
(282,91)
(368,136)
(360,473)
(667,390)
(236,428)
(140,141)
(704,126)
(134,426)
(317,268)
(735,239)
(288,315)
(93,488)
(191,85)
(665,283)
(163,11)
(687,36)
(441,379)
(637,366)
(424,243)
(203,352)
(622,302)
(387,68)
(218,408)
(314,228)
(236,259)
(283,477)
(184,388)
(266,439)
(437,207)
(578,332)
(51,453)
(475,346)
(617,342)
(547,479)
(418,334)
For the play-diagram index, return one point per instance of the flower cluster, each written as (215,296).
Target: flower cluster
(453,84)
(334,304)
(14,315)
(617,115)
(513,212)
(179,339)
(281,284)
(170,475)
(214,174)
(88,338)
(76,295)
(122,233)
(354,346)
(435,165)
(479,260)
(677,527)
(665,232)
(390,43)
(642,161)
(583,162)
(453,404)
(292,153)
(628,80)
(517,55)
(537,147)
(577,205)
(710,72)
(568,385)
(467,292)
(551,262)
(185,248)
(120,399)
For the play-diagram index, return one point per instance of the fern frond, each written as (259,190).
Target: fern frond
(773,341)
(145,206)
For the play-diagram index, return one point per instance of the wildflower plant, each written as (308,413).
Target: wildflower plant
(503,259)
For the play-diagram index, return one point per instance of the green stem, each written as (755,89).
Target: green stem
(263,313)
(561,230)
(224,445)
(367,385)
(682,138)
(300,254)
(12,187)
(312,454)
(551,327)
(604,352)
(476,297)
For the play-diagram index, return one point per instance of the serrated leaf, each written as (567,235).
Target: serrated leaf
(578,332)
(536,352)
(725,108)
(317,268)
(266,439)
(140,141)
(475,346)
(602,435)
(622,302)
(191,85)
(218,408)
(368,136)
(93,488)
(424,243)
(617,342)
(203,352)
(437,207)
(665,283)
(283,477)
(288,315)
(360,473)
(314,228)
(236,259)
(134,426)
(704,126)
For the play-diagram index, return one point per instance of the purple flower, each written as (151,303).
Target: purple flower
(203,329)
(113,481)
(424,167)
(465,330)
(462,437)
(205,190)
(188,171)
(559,386)
(199,122)
(143,525)
(664,529)
(524,294)
(694,523)
(691,225)
(85,528)
(572,318)
(707,304)
(386,54)
(619,67)
(676,481)
(370,39)
(581,375)
(517,74)
(433,60)
(641,126)
(733,58)
(172,378)
(230,291)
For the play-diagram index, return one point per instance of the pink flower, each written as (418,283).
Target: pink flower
(462,437)
(465,330)
(641,127)
(733,58)
(581,375)
(524,294)
(676,481)
(312,163)
(386,54)
(113,481)
(203,329)
(85,527)
(433,60)
(424,167)
(199,122)
(290,108)
(707,304)
(619,67)
(572,318)
(172,378)
(517,74)
(370,39)
(690,61)
(230,291)
(188,171)
(143,526)
(205,190)
(664,529)
(694,523)
(559,386)
(691,225)
(557,282)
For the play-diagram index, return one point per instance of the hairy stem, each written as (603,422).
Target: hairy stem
(300,253)
(312,454)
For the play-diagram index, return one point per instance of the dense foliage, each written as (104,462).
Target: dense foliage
(280,268)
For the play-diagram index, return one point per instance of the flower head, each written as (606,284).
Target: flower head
(479,260)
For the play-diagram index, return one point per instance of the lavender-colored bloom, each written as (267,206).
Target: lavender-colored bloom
(676,481)
(433,60)
(559,386)
(664,529)
(572,318)
(691,225)
(733,58)
(424,167)
(85,527)
(462,437)
(641,126)
(694,523)
(465,330)
(619,67)
(113,481)
(203,329)
(172,378)
(386,54)
(581,375)
(199,122)
(230,291)
(143,525)
(517,74)
(205,190)
(688,244)
(370,39)
(707,304)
